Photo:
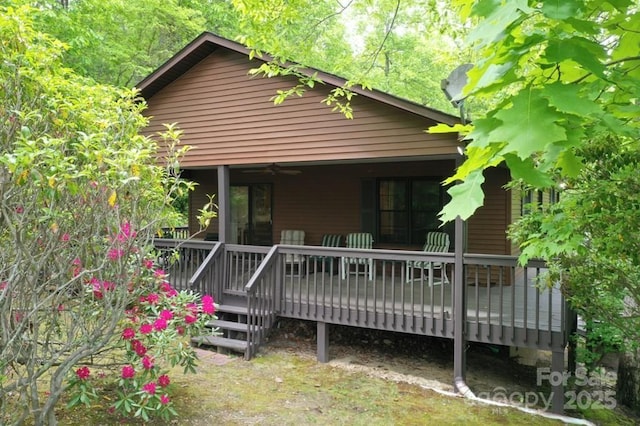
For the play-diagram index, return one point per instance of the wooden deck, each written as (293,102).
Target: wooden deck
(503,304)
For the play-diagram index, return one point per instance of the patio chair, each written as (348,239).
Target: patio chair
(296,238)
(436,242)
(328,240)
(360,240)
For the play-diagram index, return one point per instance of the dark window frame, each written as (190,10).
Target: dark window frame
(410,229)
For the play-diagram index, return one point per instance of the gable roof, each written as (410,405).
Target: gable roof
(207,43)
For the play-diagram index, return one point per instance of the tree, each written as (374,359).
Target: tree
(565,76)
(561,73)
(81,195)
(590,241)
(119,42)
(401,47)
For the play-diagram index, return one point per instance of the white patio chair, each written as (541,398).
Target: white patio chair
(296,238)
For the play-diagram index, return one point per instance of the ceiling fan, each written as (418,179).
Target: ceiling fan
(273,169)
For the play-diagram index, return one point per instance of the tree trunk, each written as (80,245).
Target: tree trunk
(628,383)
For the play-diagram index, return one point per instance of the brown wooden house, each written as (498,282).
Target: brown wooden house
(301,166)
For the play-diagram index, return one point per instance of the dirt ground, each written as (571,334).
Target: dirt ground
(414,359)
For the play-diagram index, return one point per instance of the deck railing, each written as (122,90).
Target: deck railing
(176,233)
(504,304)
(181,259)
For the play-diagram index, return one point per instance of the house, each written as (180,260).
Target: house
(301,166)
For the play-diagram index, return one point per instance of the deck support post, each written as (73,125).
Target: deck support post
(323,342)
(459,311)
(557,386)
(224,205)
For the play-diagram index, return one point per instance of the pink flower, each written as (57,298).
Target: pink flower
(152,298)
(128,372)
(148,263)
(192,307)
(160,324)
(150,388)
(138,347)
(207,305)
(190,319)
(115,254)
(125,232)
(60,307)
(65,237)
(168,290)
(128,333)
(19,209)
(180,330)
(3,285)
(166,315)
(147,362)
(159,273)
(164,399)
(97,291)
(83,373)
(76,262)
(164,381)
(146,328)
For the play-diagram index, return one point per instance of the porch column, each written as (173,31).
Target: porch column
(224,205)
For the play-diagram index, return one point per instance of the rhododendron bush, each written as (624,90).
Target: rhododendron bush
(82,193)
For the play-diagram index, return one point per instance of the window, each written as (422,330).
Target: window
(408,208)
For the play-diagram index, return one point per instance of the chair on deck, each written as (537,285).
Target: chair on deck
(295,238)
(437,242)
(328,240)
(360,240)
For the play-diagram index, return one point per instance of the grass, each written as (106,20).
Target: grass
(280,388)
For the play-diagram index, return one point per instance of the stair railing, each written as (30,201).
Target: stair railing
(261,301)
(208,279)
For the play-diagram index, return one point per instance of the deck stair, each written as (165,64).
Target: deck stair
(231,330)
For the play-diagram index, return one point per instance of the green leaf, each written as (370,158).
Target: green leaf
(527,171)
(569,163)
(561,9)
(579,50)
(466,198)
(528,126)
(568,98)
(499,15)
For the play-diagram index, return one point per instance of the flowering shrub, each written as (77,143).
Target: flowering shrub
(83,193)
(155,336)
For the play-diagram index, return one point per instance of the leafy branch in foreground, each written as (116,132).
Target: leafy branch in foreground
(562,72)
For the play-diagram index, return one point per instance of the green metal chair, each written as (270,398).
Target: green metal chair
(362,240)
(436,242)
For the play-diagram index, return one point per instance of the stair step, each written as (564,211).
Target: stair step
(232,309)
(223,342)
(228,325)
(241,293)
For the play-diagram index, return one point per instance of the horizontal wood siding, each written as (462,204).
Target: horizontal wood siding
(326,199)
(486,231)
(228,118)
